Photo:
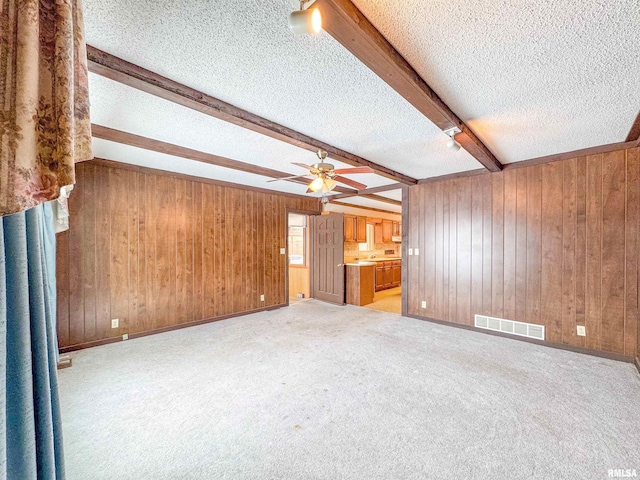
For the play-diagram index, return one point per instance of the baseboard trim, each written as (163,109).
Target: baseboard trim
(106,341)
(560,346)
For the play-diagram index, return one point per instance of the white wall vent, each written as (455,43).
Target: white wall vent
(510,326)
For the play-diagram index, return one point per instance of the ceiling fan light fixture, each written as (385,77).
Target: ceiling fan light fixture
(305,21)
(328,185)
(317,184)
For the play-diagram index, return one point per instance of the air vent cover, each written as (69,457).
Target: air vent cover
(511,327)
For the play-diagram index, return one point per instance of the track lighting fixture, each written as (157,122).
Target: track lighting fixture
(305,21)
(451,133)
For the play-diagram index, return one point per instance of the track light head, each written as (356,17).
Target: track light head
(305,21)
(453,145)
(451,133)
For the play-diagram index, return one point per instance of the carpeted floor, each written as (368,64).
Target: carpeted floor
(387,300)
(315,391)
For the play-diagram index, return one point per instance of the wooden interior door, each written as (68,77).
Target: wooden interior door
(328,258)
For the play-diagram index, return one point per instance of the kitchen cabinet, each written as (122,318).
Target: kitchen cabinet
(387,230)
(377,233)
(395,229)
(396,276)
(355,229)
(359,288)
(361,229)
(388,274)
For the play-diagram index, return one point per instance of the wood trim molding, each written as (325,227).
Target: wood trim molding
(634,133)
(379,198)
(106,341)
(406,225)
(351,205)
(346,23)
(560,346)
(125,138)
(127,73)
(152,171)
(611,147)
(637,364)
(366,191)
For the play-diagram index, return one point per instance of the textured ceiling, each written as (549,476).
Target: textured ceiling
(392,194)
(531,78)
(152,117)
(243,53)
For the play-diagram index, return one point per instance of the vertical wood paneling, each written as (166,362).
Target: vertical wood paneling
(631,251)
(157,251)
(593,275)
(521,245)
(554,244)
(534,243)
(509,242)
(497,244)
(551,245)
(569,224)
(613,250)
(463,266)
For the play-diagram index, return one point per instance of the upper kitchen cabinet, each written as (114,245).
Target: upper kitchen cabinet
(355,229)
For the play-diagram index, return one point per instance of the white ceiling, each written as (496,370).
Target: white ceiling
(243,53)
(531,78)
(392,194)
(153,117)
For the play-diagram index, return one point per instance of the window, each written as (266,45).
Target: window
(297,239)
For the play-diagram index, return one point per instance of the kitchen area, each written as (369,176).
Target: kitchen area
(372,255)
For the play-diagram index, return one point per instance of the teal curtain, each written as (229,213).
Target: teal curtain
(31,443)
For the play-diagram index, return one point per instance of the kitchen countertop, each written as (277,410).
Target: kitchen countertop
(381,259)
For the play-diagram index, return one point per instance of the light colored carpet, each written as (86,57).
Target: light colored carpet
(387,300)
(315,391)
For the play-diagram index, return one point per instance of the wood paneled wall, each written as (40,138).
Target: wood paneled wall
(554,244)
(155,251)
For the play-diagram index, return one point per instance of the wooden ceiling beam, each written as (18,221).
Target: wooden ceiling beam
(344,22)
(352,205)
(127,73)
(125,138)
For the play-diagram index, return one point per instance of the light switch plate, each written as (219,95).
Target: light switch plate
(262,297)
(416,251)
(411,251)
(283,251)
(115,323)
(424,304)
(125,336)
(582,330)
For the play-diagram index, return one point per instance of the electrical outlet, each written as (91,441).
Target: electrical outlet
(424,304)
(582,331)
(115,323)
(416,251)
(411,251)
(283,251)
(262,297)
(125,336)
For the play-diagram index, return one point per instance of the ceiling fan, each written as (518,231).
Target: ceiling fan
(327,177)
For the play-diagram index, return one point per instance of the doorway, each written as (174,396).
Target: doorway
(299,256)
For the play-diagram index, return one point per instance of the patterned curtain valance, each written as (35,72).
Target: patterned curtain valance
(44,102)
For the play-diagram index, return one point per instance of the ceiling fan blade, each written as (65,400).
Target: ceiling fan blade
(288,178)
(351,183)
(354,170)
(308,167)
